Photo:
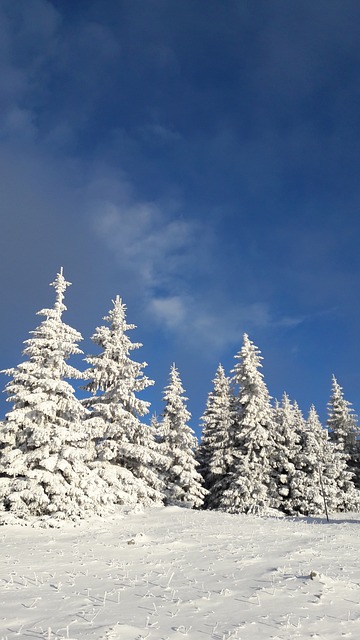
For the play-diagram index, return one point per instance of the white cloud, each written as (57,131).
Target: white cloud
(202,322)
(171,311)
(148,239)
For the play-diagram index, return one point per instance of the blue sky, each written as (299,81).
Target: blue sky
(200,159)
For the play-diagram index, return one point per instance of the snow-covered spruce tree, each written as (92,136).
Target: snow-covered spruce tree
(214,453)
(285,454)
(249,479)
(344,429)
(183,483)
(299,419)
(321,468)
(128,455)
(44,465)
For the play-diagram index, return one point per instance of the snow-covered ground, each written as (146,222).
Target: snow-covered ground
(176,573)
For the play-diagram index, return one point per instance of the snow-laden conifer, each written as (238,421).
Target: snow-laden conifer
(321,471)
(299,419)
(128,455)
(344,429)
(44,465)
(214,453)
(285,453)
(183,483)
(249,479)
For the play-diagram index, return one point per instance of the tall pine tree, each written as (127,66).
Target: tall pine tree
(128,455)
(214,453)
(183,483)
(44,465)
(249,480)
(344,429)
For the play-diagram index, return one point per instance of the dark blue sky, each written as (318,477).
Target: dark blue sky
(200,159)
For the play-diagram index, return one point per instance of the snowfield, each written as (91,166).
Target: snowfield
(177,573)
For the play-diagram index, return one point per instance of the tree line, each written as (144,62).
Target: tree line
(62,457)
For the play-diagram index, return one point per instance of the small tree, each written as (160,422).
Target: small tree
(44,464)
(344,429)
(321,473)
(178,443)
(128,456)
(214,453)
(285,454)
(249,480)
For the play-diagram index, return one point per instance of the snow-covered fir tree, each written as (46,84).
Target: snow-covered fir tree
(321,471)
(249,480)
(183,482)
(128,455)
(214,453)
(285,454)
(344,429)
(44,465)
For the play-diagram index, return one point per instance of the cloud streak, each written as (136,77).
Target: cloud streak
(148,241)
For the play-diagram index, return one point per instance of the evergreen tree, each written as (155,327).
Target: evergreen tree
(321,471)
(44,465)
(344,429)
(155,425)
(128,456)
(249,480)
(285,453)
(178,443)
(214,453)
(299,420)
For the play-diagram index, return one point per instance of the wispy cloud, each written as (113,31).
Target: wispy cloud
(148,240)
(171,311)
(203,322)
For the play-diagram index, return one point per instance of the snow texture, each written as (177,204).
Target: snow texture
(173,573)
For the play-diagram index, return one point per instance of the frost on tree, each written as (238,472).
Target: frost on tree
(215,449)
(285,454)
(344,429)
(250,476)
(44,465)
(128,455)
(183,483)
(321,469)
